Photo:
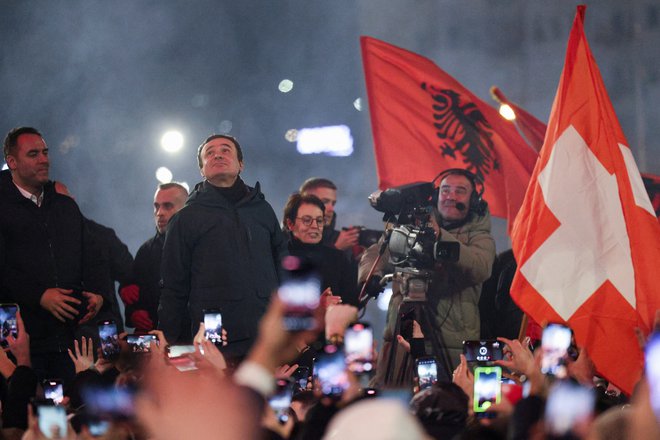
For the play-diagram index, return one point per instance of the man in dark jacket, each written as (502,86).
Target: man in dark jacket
(42,268)
(222,251)
(142,295)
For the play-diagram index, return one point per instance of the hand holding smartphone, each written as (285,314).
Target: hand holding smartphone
(141,343)
(53,390)
(52,420)
(330,368)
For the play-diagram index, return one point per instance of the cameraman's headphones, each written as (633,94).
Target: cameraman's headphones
(476,205)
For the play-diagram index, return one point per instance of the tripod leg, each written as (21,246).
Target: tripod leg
(434,335)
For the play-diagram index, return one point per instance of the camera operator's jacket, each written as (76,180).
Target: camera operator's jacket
(453,295)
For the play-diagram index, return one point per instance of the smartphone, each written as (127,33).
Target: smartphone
(8,322)
(109,339)
(330,368)
(301,294)
(427,372)
(180,350)
(652,368)
(487,390)
(568,404)
(280,401)
(52,420)
(109,402)
(358,348)
(482,351)
(53,390)
(555,342)
(213,326)
(141,343)
(301,378)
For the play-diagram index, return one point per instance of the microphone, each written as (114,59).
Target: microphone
(460,206)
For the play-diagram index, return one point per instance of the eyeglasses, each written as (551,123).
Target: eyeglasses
(307,220)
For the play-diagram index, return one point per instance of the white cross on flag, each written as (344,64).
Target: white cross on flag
(586,239)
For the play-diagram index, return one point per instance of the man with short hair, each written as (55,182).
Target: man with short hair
(142,295)
(42,268)
(453,297)
(326,190)
(222,251)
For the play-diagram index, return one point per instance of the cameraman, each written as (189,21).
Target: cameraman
(453,296)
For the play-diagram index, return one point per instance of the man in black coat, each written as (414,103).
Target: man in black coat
(42,268)
(222,251)
(142,294)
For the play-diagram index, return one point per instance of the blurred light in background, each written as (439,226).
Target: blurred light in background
(384,299)
(5,167)
(291,135)
(172,141)
(507,112)
(286,85)
(358,104)
(225,126)
(333,141)
(164,175)
(186,186)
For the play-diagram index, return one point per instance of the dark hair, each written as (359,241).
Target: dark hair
(239,151)
(11,140)
(316,182)
(171,185)
(295,201)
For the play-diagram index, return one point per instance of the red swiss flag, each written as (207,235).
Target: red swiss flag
(586,238)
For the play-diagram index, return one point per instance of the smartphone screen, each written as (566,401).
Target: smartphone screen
(487,389)
(52,421)
(301,378)
(53,390)
(568,404)
(554,348)
(482,351)
(330,368)
(8,322)
(301,294)
(109,402)
(280,401)
(109,339)
(141,343)
(427,372)
(213,326)
(358,348)
(652,360)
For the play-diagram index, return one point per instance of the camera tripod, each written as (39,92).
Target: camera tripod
(414,287)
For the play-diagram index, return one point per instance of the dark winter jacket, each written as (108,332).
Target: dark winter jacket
(222,255)
(146,275)
(40,247)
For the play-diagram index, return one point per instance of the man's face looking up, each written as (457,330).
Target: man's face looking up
(220,164)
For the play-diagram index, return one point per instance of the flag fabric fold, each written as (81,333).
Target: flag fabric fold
(424,121)
(586,239)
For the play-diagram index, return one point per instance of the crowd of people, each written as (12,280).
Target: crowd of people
(221,248)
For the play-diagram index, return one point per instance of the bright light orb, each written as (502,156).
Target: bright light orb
(172,141)
(384,299)
(286,85)
(164,175)
(507,112)
(185,185)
